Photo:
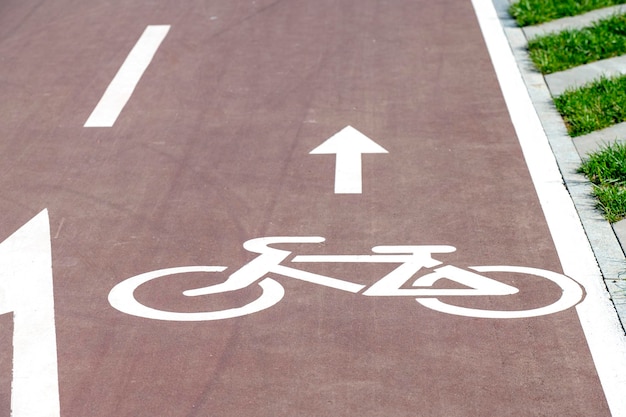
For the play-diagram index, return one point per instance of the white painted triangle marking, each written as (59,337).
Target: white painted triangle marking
(348,145)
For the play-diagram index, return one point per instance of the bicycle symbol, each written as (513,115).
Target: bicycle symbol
(268,263)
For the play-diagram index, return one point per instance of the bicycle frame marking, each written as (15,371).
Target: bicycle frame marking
(412,259)
(572,295)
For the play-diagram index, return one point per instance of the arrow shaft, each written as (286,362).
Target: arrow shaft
(348,173)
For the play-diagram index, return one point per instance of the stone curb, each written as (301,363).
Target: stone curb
(601,235)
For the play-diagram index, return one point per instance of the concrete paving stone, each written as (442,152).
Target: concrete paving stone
(576,77)
(594,141)
(574,22)
(620,231)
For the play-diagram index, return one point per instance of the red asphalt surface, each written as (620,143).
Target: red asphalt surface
(212,150)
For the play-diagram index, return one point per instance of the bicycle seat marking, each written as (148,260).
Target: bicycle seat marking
(268,265)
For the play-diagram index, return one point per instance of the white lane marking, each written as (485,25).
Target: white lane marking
(348,144)
(123,84)
(597,316)
(26,291)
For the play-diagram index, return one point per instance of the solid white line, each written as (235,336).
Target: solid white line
(596,313)
(121,88)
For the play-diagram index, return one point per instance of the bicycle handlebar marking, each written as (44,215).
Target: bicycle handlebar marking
(412,259)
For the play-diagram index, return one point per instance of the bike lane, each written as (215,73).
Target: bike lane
(214,149)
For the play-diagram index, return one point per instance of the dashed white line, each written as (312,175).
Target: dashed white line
(123,84)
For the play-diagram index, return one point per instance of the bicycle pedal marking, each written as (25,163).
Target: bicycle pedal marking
(269,264)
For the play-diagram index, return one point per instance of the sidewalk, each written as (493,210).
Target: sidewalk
(604,238)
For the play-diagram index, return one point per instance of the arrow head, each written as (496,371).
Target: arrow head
(348,145)
(348,140)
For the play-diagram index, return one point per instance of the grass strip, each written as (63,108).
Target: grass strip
(533,12)
(606,169)
(606,38)
(595,106)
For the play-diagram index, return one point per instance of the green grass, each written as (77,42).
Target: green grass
(606,38)
(606,169)
(532,12)
(595,106)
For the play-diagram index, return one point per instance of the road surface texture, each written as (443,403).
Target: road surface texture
(213,149)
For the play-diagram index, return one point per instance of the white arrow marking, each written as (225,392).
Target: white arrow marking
(348,144)
(26,291)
